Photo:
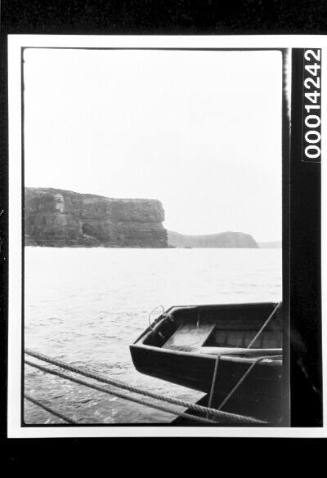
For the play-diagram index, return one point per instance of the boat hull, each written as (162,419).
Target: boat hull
(259,395)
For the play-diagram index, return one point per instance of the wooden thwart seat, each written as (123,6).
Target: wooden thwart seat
(189,337)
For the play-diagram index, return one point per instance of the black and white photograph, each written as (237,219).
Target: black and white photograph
(151,190)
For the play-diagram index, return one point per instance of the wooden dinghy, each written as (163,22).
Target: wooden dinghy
(231,352)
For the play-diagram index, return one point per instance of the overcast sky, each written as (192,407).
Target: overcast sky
(200,131)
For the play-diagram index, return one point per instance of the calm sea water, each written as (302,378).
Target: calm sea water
(86,306)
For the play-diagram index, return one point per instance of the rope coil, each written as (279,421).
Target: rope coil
(151,323)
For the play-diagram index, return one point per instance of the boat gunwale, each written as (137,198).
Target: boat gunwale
(162,317)
(265,360)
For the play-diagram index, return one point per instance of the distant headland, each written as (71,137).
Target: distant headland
(60,218)
(222,239)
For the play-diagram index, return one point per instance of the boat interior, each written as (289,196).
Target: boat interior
(244,330)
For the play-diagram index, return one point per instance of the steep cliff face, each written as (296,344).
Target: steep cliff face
(223,239)
(56,217)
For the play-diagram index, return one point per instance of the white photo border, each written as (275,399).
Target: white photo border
(15,306)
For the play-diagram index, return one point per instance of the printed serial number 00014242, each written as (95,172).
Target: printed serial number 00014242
(312,105)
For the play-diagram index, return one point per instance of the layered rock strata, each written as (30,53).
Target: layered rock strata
(55,217)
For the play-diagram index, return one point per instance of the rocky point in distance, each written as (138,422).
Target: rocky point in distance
(60,218)
(223,239)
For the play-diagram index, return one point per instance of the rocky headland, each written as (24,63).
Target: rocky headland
(60,218)
(223,239)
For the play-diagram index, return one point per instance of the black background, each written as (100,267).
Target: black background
(165,17)
(305,261)
(158,17)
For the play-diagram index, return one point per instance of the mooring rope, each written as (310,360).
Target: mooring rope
(151,324)
(241,380)
(213,382)
(49,410)
(259,359)
(264,325)
(110,392)
(224,416)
